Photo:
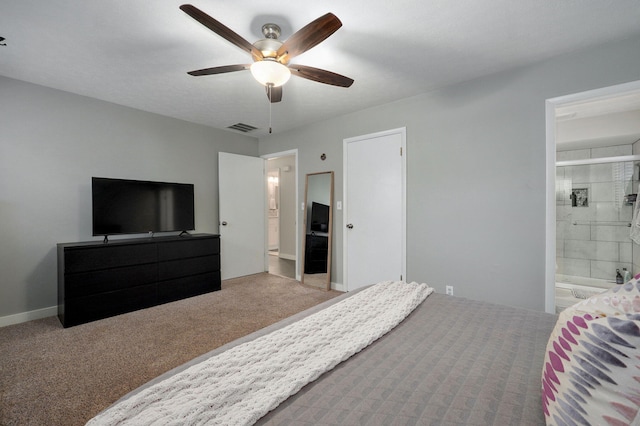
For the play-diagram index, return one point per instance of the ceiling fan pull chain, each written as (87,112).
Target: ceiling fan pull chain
(270,86)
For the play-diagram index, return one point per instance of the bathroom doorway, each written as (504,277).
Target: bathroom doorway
(594,140)
(281,229)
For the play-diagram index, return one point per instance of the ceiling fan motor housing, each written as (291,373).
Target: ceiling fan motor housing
(270,44)
(269,47)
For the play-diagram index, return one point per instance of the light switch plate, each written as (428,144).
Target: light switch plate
(339,205)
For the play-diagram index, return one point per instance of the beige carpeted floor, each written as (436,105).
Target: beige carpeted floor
(50,375)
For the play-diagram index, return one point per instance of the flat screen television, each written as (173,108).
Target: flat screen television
(319,217)
(122,206)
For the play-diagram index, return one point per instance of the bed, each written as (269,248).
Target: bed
(449,361)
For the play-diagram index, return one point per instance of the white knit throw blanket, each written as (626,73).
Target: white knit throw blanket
(243,383)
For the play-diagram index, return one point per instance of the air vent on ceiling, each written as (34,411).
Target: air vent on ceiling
(241,127)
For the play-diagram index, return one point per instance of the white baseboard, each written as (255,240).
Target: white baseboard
(28,316)
(337,286)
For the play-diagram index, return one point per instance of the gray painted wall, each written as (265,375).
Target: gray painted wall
(52,142)
(475,173)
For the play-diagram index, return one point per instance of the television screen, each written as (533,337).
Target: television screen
(122,206)
(319,217)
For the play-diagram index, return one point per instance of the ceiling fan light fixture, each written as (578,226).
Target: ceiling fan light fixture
(270,73)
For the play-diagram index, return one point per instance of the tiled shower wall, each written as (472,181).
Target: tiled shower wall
(592,236)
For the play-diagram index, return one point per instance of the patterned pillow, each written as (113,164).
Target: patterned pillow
(591,373)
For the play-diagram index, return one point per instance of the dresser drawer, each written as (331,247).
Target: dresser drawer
(187,247)
(104,257)
(194,285)
(184,267)
(97,306)
(104,280)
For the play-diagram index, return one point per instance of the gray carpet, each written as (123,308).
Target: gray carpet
(55,376)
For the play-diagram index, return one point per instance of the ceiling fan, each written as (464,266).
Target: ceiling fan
(271,56)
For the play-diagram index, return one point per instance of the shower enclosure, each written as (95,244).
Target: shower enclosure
(594,211)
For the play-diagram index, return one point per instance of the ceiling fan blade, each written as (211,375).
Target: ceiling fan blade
(274,94)
(309,36)
(219,70)
(222,30)
(321,76)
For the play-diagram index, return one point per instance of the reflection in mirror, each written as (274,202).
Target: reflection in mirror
(318,218)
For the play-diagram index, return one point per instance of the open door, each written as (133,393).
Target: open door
(242,213)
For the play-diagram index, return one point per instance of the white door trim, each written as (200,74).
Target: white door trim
(288,153)
(550,115)
(402,131)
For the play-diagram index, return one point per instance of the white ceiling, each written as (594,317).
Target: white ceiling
(137,53)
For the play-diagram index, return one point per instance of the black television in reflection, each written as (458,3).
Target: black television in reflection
(319,217)
(123,206)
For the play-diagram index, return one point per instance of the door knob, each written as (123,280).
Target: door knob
(350,226)
(224,223)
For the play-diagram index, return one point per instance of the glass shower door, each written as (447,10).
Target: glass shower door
(594,214)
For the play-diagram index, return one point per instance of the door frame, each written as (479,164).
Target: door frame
(288,153)
(550,118)
(402,131)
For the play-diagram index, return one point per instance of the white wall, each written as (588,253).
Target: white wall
(52,143)
(476,171)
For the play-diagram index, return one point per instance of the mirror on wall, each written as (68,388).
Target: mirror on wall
(318,226)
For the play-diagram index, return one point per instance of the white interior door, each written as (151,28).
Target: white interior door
(374,208)
(242,215)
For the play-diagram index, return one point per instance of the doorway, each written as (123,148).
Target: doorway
(282,199)
(616,99)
